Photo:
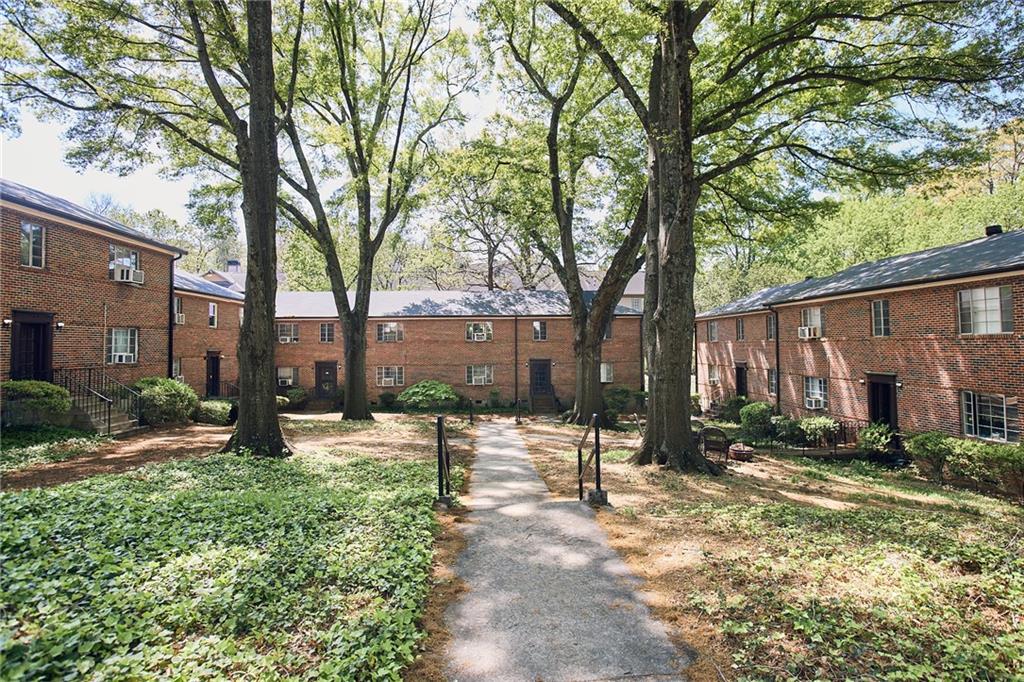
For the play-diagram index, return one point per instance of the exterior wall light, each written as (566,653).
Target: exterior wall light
(8,322)
(60,326)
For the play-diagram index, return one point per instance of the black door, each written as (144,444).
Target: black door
(882,399)
(326,379)
(540,377)
(31,346)
(741,380)
(213,373)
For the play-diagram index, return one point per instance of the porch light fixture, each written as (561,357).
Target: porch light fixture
(60,326)
(8,322)
(899,384)
(860,381)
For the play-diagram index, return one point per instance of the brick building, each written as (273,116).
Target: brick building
(207,320)
(503,344)
(932,340)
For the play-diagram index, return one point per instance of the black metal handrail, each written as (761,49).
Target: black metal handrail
(128,399)
(86,383)
(594,457)
(444,463)
(87,398)
(228,390)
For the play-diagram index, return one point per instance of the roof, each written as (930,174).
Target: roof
(429,303)
(987,255)
(232,280)
(186,281)
(62,208)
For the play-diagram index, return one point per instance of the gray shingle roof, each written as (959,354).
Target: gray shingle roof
(62,208)
(232,280)
(186,281)
(302,304)
(986,255)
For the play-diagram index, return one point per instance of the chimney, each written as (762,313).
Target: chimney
(991,230)
(234,265)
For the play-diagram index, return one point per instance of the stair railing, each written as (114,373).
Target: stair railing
(128,399)
(77,383)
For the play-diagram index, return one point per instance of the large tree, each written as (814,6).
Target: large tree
(189,85)
(840,93)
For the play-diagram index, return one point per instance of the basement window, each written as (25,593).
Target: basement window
(989,416)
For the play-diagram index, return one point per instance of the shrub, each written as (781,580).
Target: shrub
(694,404)
(818,429)
(427,394)
(618,398)
(932,448)
(213,412)
(1007,463)
(148,382)
(611,417)
(987,464)
(297,397)
(756,419)
(731,408)
(787,430)
(282,402)
(875,437)
(41,398)
(387,399)
(494,399)
(167,401)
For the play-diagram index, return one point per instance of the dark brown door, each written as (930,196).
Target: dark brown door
(326,379)
(540,377)
(882,399)
(741,380)
(31,346)
(213,373)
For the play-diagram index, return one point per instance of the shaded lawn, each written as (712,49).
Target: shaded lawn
(24,446)
(789,568)
(316,566)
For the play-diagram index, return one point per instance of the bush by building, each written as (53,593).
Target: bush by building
(756,421)
(34,402)
(428,394)
(213,412)
(166,401)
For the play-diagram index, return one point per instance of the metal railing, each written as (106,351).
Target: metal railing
(444,463)
(226,389)
(594,457)
(84,396)
(87,383)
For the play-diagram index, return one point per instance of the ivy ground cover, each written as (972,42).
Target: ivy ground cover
(226,567)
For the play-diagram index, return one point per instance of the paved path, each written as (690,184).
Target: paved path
(547,598)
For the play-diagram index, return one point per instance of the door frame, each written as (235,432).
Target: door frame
(317,364)
(737,368)
(878,379)
(213,354)
(45,320)
(540,362)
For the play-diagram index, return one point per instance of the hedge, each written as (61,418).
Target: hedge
(166,401)
(41,396)
(213,412)
(756,420)
(978,462)
(428,393)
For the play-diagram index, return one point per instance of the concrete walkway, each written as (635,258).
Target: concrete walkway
(547,598)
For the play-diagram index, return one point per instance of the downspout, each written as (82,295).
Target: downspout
(778,363)
(696,358)
(515,356)
(170,321)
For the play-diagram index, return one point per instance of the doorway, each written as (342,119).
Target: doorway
(540,377)
(31,345)
(882,399)
(213,373)
(741,379)
(326,379)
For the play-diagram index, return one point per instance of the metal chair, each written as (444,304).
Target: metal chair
(715,440)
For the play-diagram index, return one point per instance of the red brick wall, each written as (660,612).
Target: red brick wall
(931,360)
(75,287)
(195,339)
(437,349)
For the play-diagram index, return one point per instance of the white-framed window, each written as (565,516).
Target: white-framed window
(815,393)
(287,332)
(241,315)
(741,332)
(211,314)
(479,375)
(326,332)
(122,255)
(713,375)
(773,381)
(393,375)
(812,317)
(179,310)
(880,325)
(986,310)
(176,369)
(479,331)
(33,245)
(770,327)
(390,332)
(122,345)
(287,376)
(540,330)
(634,303)
(989,416)
(713,330)
(608,330)
(607,373)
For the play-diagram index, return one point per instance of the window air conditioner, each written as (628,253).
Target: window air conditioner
(284,339)
(479,381)
(808,332)
(284,382)
(479,336)
(815,403)
(122,358)
(138,277)
(123,273)
(387,382)
(713,382)
(179,318)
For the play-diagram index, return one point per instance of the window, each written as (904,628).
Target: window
(122,345)
(634,303)
(989,416)
(607,373)
(391,376)
(122,255)
(287,376)
(33,245)
(390,332)
(812,317)
(287,332)
(815,393)
(880,318)
(607,330)
(540,330)
(326,332)
(212,314)
(176,369)
(713,375)
(241,316)
(479,374)
(773,381)
(987,310)
(713,330)
(479,331)
(179,310)
(740,331)
(770,328)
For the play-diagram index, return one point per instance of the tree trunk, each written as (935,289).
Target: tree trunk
(357,402)
(589,394)
(257,430)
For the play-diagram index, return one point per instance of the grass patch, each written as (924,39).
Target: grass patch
(312,567)
(25,446)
